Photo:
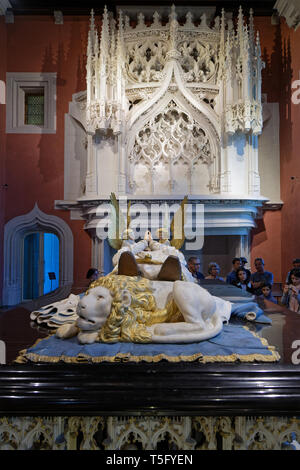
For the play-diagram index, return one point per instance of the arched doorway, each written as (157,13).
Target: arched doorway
(16,231)
(40,264)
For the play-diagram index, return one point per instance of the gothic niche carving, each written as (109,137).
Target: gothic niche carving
(171,155)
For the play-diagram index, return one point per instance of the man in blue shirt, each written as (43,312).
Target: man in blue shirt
(193,265)
(231,277)
(260,277)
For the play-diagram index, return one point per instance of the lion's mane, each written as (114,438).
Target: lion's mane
(128,324)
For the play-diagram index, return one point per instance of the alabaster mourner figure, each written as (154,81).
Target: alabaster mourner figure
(151,257)
(130,309)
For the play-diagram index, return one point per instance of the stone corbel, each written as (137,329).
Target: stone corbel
(4,6)
(9,16)
(58,17)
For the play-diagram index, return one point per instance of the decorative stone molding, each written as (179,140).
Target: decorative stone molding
(221,216)
(181,433)
(14,232)
(125,433)
(290,9)
(31,433)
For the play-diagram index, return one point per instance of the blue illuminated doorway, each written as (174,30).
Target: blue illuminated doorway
(41,264)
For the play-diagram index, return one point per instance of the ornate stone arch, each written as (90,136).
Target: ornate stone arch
(192,140)
(14,232)
(173,80)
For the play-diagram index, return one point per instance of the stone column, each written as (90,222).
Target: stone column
(122,166)
(97,260)
(91,173)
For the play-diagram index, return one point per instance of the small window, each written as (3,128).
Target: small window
(31,103)
(34,106)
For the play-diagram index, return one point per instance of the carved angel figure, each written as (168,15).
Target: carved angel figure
(150,255)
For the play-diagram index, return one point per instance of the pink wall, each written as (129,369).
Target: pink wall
(34,164)
(290,152)
(277,237)
(266,243)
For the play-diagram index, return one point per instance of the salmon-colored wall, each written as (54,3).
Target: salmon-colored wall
(290,152)
(266,238)
(266,243)
(276,238)
(33,165)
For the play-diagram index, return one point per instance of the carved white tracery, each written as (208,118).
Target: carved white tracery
(170,140)
(135,71)
(147,432)
(198,61)
(145,60)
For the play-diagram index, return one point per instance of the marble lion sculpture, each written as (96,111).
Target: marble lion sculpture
(132,309)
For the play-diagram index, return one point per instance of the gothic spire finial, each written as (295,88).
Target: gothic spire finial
(258,44)
(240,19)
(105,26)
(223,25)
(173,14)
(92,21)
(203,20)
(156,19)
(251,30)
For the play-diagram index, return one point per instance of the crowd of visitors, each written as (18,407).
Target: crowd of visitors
(258,282)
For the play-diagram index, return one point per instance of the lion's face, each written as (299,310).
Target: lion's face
(93,309)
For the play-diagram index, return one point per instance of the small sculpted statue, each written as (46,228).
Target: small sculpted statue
(150,254)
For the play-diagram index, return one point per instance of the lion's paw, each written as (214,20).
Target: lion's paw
(67,331)
(87,337)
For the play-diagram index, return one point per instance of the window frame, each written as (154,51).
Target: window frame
(16,85)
